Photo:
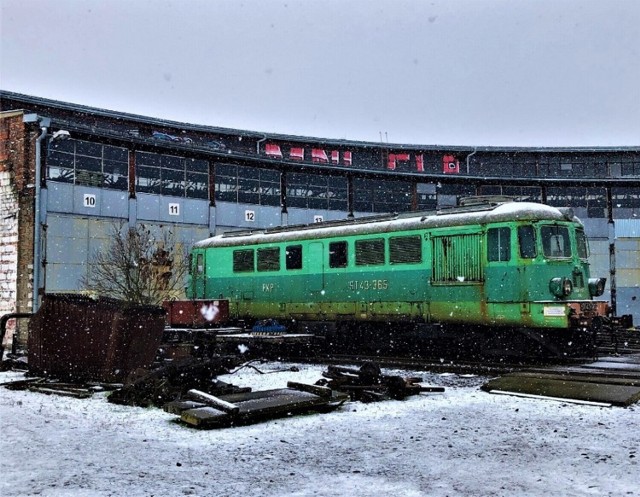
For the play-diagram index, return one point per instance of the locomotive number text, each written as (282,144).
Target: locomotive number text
(368,284)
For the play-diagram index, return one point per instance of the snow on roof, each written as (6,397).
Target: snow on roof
(508,211)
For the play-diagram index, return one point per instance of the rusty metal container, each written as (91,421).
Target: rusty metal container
(81,338)
(196,313)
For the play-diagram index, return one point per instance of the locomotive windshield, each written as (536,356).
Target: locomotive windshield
(555,241)
(527,241)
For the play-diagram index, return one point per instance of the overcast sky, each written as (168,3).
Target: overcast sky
(454,72)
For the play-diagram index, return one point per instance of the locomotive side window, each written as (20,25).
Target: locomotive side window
(405,249)
(243,261)
(338,254)
(370,252)
(499,244)
(555,241)
(583,246)
(294,256)
(269,259)
(527,241)
(200,264)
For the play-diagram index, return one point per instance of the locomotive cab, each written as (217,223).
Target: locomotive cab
(555,257)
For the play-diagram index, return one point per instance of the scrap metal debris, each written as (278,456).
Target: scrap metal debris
(203,410)
(190,389)
(173,380)
(368,384)
(208,411)
(53,387)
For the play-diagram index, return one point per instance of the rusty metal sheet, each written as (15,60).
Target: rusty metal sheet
(196,313)
(78,337)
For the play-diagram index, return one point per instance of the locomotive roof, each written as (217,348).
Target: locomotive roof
(455,216)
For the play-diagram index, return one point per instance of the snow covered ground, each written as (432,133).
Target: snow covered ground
(464,442)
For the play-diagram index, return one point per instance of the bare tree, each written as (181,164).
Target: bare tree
(137,266)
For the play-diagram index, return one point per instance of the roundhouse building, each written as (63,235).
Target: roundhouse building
(69,172)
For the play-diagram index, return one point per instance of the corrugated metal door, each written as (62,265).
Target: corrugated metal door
(458,258)
(70,243)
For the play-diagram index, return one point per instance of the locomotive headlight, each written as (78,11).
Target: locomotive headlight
(561,287)
(596,286)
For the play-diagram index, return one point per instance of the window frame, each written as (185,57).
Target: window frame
(532,245)
(392,250)
(582,242)
(268,259)
(338,254)
(240,259)
(367,252)
(297,257)
(199,263)
(566,241)
(502,256)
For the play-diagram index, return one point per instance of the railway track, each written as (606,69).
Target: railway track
(606,381)
(481,368)
(624,342)
(307,348)
(618,342)
(609,377)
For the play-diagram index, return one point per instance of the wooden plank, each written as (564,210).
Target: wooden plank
(283,400)
(371,396)
(213,401)
(425,388)
(318,390)
(586,377)
(258,406)
(620,395)
(78,394)
(205,416)
(21,384)
(177,406)
(254,406)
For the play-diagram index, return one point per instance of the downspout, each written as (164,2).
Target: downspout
(475,149)
(36,231)
(264,137)
(613,290)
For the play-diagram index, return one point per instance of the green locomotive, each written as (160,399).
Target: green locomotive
(496,265)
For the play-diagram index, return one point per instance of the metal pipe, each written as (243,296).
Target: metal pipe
(264,137)
(475,149)
(613,290)
(36,233)
(4,319)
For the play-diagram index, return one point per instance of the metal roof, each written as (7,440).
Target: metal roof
(33,100)
(457,216)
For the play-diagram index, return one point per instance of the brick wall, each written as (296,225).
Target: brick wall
(8,242)
(17,153)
